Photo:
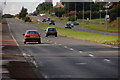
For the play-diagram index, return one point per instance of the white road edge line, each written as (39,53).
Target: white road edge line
(12,35)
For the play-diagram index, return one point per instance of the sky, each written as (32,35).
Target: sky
(14,6)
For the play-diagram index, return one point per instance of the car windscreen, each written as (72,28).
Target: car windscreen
(51,29)
(32,32)
(52,21)
(68,24)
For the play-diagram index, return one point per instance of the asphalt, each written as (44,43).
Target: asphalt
(15,66)
(78,28)
(59,58)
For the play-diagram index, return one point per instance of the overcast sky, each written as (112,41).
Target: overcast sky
(14,6)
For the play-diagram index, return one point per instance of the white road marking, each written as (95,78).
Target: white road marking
(55,43)
(65,47)
(12,35)
(71,49)
(81,63)
(80,51)
(91,55)
(59,44)
(107,60)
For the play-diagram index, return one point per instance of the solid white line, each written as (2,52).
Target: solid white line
(12,35)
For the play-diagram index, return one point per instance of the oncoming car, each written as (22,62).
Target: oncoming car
(51,31)
(52,22)
(32,36)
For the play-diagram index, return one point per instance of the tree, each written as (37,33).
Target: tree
(23,13)
(44,7)
(7,16)
(59,11)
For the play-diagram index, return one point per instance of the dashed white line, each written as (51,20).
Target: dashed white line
(91,55)
(107,60)
(80,51)
(55,43)
(65,47)
(71,49)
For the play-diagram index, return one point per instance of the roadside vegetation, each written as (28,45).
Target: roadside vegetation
(74,12)
(23,15)
(92,37)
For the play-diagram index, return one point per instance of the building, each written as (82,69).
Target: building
(48,0)
(59,5)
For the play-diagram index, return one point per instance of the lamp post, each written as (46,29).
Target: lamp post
(83,11)
(100,16)
(106,16)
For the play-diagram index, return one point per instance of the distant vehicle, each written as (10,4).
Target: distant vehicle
(44,20)
(52,22)
(75,23)
(32,36)
(48,19)
(69,26)
(51,31)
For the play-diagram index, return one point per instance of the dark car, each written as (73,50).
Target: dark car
(68,25)
(44,20)
(32,36)
(52,22)
(51,31)
(48,19)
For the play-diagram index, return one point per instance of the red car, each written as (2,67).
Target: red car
(32,36)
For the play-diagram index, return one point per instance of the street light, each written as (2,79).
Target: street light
(106,16)
(100,15)
(83,10)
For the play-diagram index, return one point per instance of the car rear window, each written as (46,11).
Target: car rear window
(32,32)
(51,29)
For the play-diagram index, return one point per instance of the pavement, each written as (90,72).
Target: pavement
(13,64)
(67,58)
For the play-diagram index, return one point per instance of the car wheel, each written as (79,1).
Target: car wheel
(55,35)
(24,42)
(46,35)
(39,42)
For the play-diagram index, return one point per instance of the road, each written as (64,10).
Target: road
(66,58)
(78,28)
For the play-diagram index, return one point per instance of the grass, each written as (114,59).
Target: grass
(93,37)
(93,26)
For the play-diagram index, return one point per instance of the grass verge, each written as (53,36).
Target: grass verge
(93,37)
(93,26)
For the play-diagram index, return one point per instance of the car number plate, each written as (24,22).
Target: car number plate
(32,36)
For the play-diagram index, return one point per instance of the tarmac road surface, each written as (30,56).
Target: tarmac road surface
(66,58)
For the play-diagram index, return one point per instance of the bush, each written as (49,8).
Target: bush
(27,19)
(72,18)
